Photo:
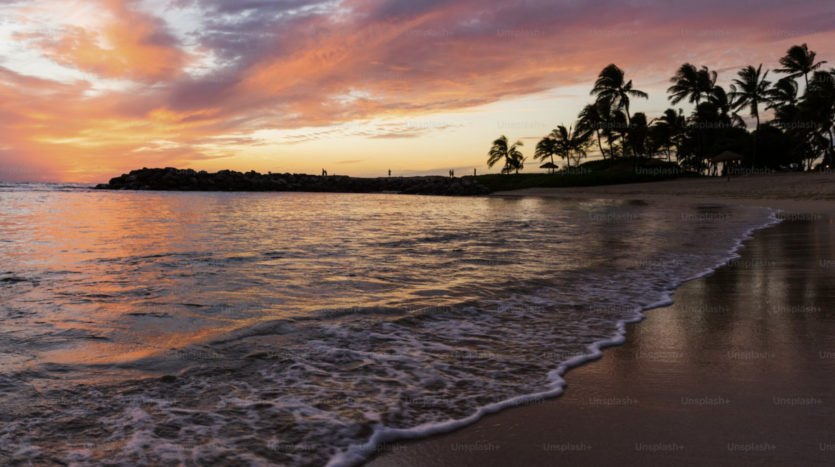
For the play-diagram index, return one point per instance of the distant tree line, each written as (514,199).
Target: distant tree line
(800,132)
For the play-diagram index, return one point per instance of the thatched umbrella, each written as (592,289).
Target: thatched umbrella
(727,156)
(549,165)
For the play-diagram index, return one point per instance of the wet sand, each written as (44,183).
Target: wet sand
(792,192)
(739,371)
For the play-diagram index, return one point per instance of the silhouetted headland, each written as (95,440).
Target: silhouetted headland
(172,179)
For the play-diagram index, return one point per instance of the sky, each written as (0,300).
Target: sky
(93,89)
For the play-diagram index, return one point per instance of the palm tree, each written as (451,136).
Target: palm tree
(592,118)
(818,106)
(545,148)
(612,125)
(724,106)
(692,84)
(784,100)
(638,130)
(517,162)
(511,155)
(659,140)
(618,129)
(799,60)
(783,94)
(571,143)
(612,87)
(750,90)
(669,129)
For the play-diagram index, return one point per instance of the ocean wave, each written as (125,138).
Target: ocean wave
(275,343)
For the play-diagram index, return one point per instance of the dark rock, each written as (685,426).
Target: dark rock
(228,180)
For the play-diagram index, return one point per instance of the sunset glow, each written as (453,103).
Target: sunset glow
(93,89)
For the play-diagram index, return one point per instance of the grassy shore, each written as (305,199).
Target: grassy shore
(593,173)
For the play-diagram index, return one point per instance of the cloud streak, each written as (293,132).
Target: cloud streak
(207,76)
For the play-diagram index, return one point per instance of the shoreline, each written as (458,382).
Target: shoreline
(790,192)
(494,429)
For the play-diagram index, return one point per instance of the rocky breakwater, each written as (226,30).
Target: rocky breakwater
(171,179)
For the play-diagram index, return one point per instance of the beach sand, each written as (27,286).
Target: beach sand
(792,192)
(739,371)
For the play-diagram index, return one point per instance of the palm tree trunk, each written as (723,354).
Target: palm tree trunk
(754,158)
(600,144)
(629,128)
(699,137)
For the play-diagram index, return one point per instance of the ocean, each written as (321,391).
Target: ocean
(260,329)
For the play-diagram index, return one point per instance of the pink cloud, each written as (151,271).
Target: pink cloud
(281,66)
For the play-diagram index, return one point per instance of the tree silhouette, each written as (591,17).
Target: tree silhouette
(692,84)
(513,158)
(750,90)
(595,117)
(799,61)
(571,143)
(545,148)
(611,87)
(818,106)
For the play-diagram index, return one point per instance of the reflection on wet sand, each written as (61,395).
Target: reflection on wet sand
(740,370)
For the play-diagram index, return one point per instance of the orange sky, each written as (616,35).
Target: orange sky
(93,89)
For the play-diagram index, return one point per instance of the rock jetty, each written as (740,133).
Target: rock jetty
(171,179)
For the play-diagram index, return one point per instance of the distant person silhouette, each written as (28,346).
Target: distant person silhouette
(389,172)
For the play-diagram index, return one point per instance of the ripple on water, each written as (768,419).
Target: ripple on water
(261,329)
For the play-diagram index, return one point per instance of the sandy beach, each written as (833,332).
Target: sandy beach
(792,192)
(738,371)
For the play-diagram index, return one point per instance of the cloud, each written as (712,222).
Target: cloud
(206,75)
(127,43)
